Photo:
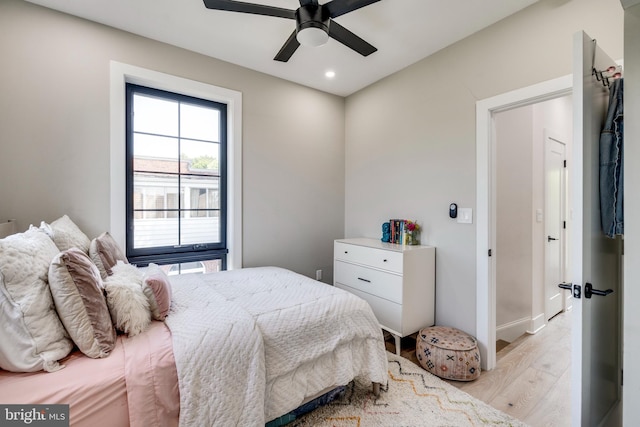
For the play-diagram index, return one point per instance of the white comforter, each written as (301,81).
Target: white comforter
(252,344)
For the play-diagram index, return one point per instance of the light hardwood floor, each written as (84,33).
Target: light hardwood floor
(531,381)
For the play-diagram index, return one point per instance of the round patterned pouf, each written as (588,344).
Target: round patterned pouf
(448,353)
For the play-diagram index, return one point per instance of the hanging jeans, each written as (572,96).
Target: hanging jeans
(611,164)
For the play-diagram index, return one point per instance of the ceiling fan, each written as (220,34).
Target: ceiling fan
(314,22)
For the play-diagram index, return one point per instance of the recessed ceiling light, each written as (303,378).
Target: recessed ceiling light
(330,74)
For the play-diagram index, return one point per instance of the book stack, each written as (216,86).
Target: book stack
(401,234)
(397,231)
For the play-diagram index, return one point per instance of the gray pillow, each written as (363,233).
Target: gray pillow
(105,253)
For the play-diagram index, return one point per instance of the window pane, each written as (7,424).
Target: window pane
(200,227)
(154,191)
(198,198)
(149,232)
(200,157)
(213,199)
(197,122)
(201,192)
(155,153)
(154,115)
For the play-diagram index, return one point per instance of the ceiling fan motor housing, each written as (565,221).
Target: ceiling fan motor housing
(314,22)
(312,17)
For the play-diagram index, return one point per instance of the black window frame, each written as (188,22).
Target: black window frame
(180,253)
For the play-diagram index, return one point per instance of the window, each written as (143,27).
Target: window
(176,179)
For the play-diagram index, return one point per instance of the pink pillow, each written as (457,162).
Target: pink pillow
(156,287)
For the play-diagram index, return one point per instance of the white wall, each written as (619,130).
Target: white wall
(410,138)
(514,218)
(631,306)
(54,136)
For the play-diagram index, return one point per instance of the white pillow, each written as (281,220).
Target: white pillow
(127,302)
(66,234)
(32,337)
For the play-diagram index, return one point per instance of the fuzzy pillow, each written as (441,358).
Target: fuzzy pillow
(76,287)
(105,253)
(157,289)
(128,305)
(32,337)
(66,234)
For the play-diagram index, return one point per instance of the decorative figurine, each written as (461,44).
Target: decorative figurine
(386,232)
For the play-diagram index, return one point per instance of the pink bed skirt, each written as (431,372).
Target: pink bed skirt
(137,385)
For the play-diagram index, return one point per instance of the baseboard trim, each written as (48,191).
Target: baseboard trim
(512,330)
(537,323)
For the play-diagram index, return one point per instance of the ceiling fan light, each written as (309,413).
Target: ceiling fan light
(312,36)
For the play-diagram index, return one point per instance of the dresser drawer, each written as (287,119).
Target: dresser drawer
(377,258)
(389,314)
(375,282)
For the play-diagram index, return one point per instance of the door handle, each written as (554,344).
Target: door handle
(588,291)
(549,238)
(570,286)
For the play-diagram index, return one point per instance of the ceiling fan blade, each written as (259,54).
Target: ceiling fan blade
(288,48)
(256,9)
(347,38)
(340,7)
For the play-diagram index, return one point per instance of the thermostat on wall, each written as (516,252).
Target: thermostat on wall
(453,210)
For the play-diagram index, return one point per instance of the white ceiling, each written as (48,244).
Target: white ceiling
(403,31)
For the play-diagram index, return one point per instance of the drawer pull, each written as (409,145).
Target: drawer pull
(364,280)
(346,252)
(384,260)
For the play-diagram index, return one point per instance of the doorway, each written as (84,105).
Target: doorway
(486,205)
(531,130)
(556,200)
(531,144)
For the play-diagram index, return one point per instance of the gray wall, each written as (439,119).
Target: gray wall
(54,136)
(410,138)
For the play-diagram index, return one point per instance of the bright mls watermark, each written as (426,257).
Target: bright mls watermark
(34,415)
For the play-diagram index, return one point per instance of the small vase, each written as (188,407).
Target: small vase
(411,238)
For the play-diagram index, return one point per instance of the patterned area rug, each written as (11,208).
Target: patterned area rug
(412,398)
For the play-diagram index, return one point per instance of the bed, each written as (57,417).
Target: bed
(240,347)
(135,385)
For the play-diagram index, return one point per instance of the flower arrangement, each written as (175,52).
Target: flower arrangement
(411,233)
(411,225)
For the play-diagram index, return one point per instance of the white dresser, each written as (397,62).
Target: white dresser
(397,281)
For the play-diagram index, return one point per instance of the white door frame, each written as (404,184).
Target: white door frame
(485,190)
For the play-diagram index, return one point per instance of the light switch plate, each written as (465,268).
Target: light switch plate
(465,215)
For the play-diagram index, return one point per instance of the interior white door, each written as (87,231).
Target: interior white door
(596,374)
(554,206)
